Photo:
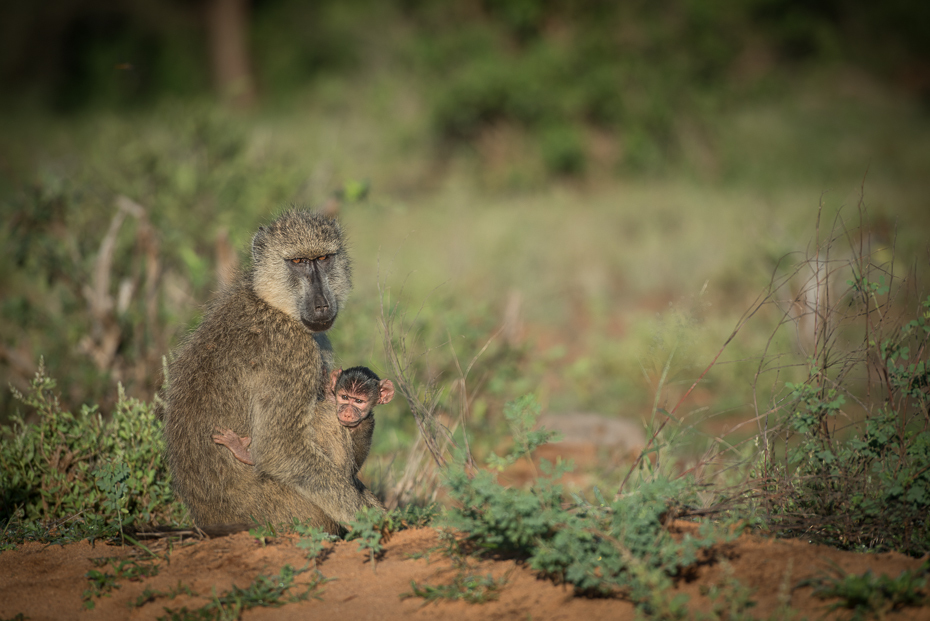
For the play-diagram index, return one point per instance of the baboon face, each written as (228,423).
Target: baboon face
(316,304)
(353,407)
(301,268)
(357,392)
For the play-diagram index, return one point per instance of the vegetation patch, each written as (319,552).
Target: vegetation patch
(102,583)
(150,595)
(845,457)
(266,591)
(466,585)
(867,595)
(70,476)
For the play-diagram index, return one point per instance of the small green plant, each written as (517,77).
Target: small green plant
(111,479)
(150,595)
(415,516)
(467,584)
(370,527)
(263,532)
(102,583)
(268,591)
(313,540)
(867,595)
(521,415)
(470,587)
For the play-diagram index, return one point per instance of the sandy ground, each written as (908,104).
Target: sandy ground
(47,581)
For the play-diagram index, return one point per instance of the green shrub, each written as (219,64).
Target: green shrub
(869,488)
(515,71)
(601,547)
(868,595)
(82,468)
(596,547)
(563,150)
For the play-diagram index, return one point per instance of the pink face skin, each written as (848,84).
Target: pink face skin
(354,407)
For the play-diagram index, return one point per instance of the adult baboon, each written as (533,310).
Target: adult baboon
(258,365)
(355,392)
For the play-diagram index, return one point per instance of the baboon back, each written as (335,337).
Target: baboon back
(219,377)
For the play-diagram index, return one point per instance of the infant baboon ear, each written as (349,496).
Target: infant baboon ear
(386,391)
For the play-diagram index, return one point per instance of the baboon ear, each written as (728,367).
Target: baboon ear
(334,378)
(258,243)
(386,391)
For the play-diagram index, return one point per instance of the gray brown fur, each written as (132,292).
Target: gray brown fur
(253,366)
(361,441)
(357,381)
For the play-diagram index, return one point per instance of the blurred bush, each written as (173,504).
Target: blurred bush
(638,70)
(91,276)
(124,213)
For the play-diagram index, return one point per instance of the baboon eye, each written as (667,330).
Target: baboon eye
(296,260)
(324,257)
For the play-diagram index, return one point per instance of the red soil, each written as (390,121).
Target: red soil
(47,581)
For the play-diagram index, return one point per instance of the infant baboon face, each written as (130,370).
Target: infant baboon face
(357,391)
(352,408)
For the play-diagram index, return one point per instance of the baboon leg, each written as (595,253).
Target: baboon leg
(282,504)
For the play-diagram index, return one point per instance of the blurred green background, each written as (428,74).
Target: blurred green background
(598,188)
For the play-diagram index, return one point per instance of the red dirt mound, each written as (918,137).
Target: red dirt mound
(47,581)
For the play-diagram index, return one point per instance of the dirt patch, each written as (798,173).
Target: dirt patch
(47,582)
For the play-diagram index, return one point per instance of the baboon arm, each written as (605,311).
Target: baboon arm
(341,499)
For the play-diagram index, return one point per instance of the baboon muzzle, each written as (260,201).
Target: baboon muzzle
(316,306)
(351,416)
(319,309)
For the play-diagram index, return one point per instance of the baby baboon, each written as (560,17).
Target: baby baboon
(356,392)
(258,365)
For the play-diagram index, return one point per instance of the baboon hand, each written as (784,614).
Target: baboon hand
(238,445)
